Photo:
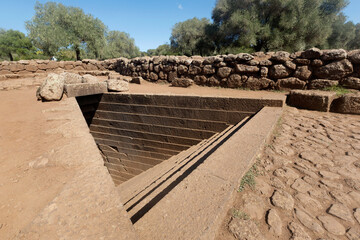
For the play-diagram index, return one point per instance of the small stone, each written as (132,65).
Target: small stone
(283,200)
(297,232)
(245,229)
(341,211)
(332,184)
(286,172)
(355,195)
(314,158)
(308,202)
(329,175)
(342,197)
(274,221)
(137,80)
(301,186)
(117,85)
(353,234)
(332,225)
(277,183)
(353,184)
(52,88)
(308,221)
(40,162)
(357,215)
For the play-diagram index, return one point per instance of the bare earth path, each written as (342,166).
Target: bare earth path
(309,182)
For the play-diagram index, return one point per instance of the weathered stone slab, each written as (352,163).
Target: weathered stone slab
(312,100)
(349,103)
(83,89)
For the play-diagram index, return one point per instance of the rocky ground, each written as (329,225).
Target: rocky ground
(307,182)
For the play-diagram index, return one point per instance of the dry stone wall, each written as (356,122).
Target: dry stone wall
(310,69)
(30,68)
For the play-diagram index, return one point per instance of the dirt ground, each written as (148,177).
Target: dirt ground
(24,188)
(27,142)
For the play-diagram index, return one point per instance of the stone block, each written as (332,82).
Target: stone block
(311,100)
(348,103)
(83,89)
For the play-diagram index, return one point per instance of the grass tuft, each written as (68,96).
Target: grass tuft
(240,214)
(338,89)
(249,178)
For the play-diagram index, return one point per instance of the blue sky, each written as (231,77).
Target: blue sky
(148,22)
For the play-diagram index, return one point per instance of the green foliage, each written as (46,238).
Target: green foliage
(119,44)
(164,49)
(55,25)
(338,89)
(249,178)
(189,38)
(355,42)
(266,25)
(240,214)
(342,33)
(66,54)
(15,46)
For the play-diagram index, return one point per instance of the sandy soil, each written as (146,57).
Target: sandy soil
(26,189)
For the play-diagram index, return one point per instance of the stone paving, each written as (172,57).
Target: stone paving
(308,185)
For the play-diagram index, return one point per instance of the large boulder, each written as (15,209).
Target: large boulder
(311,53)
(354,56)
(182,82)
(333,54)
(279,71)
(234,81)
(117,85)
(348,103)
(335,70)
(303,73)
(322,83)
(289,83)
(243,68)
(281,56)
(351,82)
(224,72)
(255,83)
(52,88)
(71,78)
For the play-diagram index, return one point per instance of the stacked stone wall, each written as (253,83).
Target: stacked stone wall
(31,68)
(310,69)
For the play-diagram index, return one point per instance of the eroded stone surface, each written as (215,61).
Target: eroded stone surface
(310,174)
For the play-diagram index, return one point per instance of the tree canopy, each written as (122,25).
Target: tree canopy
(14,42)
(120,44)
(265,25)
(55,25)
(186,36)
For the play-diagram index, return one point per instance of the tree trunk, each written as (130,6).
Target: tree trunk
(77,50)
(11,57)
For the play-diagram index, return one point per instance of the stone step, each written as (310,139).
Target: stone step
(195,205)
(230,117)
(103,138)
(138,205)
(141,183)
(145,135)
(153,128)
(132,164)
(203,102)
(142,148)
(207,125)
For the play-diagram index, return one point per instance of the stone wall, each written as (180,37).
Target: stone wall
(310,69)
(31,68)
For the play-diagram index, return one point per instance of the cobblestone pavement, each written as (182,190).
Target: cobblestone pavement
(308,183)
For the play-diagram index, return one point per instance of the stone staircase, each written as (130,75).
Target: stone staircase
(136,132)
